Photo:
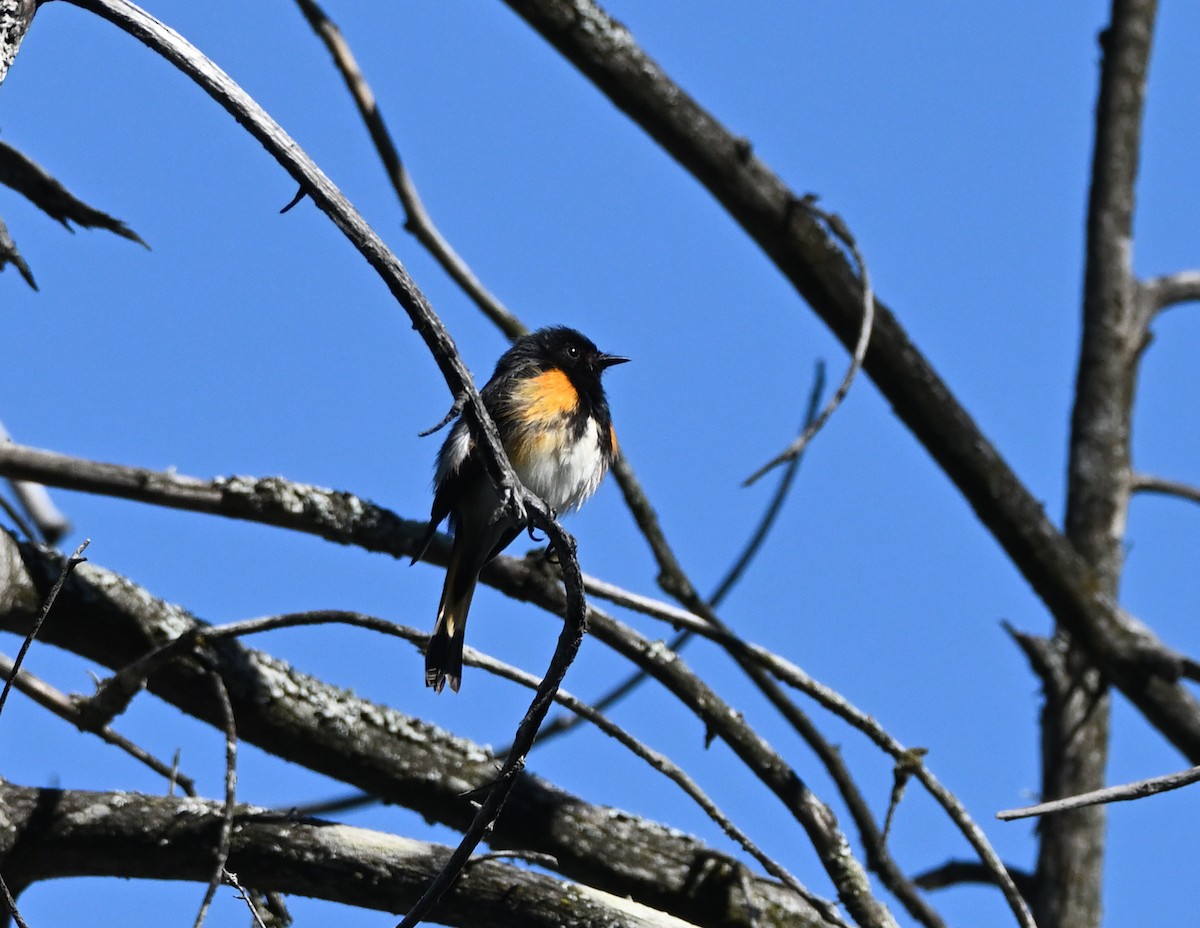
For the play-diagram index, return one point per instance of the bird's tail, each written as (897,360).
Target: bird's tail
(443,656)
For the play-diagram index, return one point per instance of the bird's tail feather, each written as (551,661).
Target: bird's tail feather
(443,656)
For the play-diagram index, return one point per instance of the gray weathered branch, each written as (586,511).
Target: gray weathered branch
(76,833)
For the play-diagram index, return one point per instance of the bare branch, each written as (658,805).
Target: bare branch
(1123,793)
(1159,293)
(957,872)
(231,879)
(1068,879)
(32,181)
(9,254)
(417,221)
(136,836)
(838,229)
(1145,483)
(66,708)
(224,838)
(573,630)
(67,567)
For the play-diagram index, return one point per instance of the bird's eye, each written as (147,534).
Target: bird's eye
(573,351)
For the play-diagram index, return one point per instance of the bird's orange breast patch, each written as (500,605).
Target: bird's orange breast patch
(546,396)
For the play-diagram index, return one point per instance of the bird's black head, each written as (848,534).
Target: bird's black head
(575,353)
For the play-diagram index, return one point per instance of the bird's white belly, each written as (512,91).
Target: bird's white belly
(564,474)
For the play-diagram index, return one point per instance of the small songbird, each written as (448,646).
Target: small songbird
(549,407)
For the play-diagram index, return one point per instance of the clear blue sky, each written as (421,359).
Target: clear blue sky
(954,141)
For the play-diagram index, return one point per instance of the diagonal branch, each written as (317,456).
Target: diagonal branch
(1123,793)
(65,708)
(417,221)
(761,203)
(33,182)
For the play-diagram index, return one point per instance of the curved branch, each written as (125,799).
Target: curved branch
(523,505)
(1145,483)
(838,229)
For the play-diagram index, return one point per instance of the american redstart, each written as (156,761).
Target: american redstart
(549,407)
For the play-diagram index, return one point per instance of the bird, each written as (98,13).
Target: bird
(554,422)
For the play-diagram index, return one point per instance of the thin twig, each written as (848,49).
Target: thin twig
(66,708)
(225,839)
(1145,483)
(418,221)
(231,879)
(1124,793)
(11,905)
(574,628)
(838,228)
(70,565)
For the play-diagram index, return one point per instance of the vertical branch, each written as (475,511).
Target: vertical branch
(1075,718)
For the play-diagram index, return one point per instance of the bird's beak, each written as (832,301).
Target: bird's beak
(608,360)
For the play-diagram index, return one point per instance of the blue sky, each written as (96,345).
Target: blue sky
(954,141)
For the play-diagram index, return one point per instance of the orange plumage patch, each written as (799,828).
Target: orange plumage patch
(612,437)
(546,396)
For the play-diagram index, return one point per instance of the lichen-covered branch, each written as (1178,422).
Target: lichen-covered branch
(65,833)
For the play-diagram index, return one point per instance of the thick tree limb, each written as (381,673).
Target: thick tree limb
(75,833)
(1068,880)
(108,619)
(756,198)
